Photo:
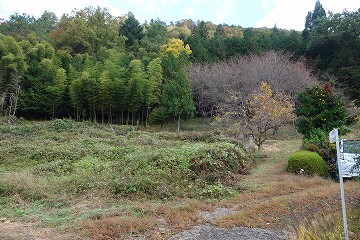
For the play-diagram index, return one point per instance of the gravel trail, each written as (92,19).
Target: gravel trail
(210,232)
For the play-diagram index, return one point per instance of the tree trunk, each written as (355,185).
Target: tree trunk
(17,91)
(2,102)
(10,104)
(122,117)
(94,113)
(110,115)
(147,116)
(53,112)
(178,124)
(102,116)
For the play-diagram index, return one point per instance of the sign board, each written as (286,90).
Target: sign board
(332,136)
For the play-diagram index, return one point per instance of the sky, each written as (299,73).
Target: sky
(286,14)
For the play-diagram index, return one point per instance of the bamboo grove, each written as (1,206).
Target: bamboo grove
(90,65)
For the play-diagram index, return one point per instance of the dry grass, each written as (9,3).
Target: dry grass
(274,199)
(25,184)
(280,210)
(117,227)
(325,227)
(149,219)
(268,197)
(281,201)
(271,198)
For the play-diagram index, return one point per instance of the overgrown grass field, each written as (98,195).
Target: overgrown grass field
(93,181)
(48,168)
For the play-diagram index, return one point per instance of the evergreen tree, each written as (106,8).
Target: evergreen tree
(18,25)
(43,25)
(131,29)
(319,108)
(334,43)
(311,18)
(177,98)
(156,35)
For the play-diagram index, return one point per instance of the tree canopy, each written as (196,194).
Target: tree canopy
(91,65)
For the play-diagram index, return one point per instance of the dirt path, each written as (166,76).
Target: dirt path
(254,181)
(210,232)
(275,203)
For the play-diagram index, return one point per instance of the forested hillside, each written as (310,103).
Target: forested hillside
(110,166)
(90,65)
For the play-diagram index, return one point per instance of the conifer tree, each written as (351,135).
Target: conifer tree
(131,29)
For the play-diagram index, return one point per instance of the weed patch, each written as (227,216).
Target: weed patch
(46,167)
(198,169)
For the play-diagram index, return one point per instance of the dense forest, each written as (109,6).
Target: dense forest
(90,65)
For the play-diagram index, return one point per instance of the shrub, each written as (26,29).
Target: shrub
(306,162)
(64,125)
(316,108)
(318,141)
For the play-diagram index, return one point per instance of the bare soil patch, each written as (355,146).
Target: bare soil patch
(23,231)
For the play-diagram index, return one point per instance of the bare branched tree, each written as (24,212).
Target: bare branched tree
(212,83)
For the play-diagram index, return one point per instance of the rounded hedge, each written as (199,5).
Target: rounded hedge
(306,162)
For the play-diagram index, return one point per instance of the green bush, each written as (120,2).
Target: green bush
(306,162)
(318,141)
(316,107)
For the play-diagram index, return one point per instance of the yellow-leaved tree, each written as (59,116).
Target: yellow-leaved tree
(266,111)
(175,46)
(263,111)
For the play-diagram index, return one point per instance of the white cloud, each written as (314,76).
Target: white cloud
(189,12)
(291,14)
(199,2)
(287,14)
(151,7)
(224,11)
(266,4)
